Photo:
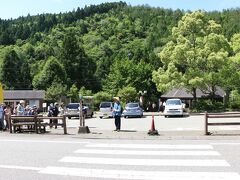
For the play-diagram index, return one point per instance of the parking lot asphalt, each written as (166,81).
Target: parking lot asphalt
(187,127)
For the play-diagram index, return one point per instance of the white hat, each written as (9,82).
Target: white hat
(117,98)
(22,101)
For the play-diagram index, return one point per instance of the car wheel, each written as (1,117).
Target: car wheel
(101,117)
(69,117)
(125,116)
(166,116)
(91,115)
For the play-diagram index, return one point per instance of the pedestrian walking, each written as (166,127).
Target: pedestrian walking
(55,113)
(117,113)
(61,109)
(50,114)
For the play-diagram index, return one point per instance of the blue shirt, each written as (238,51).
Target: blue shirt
(1,112)
(117,109)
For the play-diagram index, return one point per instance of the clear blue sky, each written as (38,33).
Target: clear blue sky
(16,8)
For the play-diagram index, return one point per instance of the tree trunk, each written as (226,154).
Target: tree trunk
(194,93)
(226,98)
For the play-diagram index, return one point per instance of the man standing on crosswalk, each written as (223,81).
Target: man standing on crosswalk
(117,113)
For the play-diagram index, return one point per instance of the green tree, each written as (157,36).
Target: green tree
(100,97)
(128,94)
(52,72)
(195,58)
(55,92)
(15,73)
(80,69)
(73,93)
(127,73)
(85,92)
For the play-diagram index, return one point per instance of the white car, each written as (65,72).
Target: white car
(174,107)
(106,109)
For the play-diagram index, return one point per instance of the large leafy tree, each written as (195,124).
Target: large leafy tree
(52,72)
(55,92)
(233,73)
(15,73)
(195,58)
(79,67)
(128,94)
(127,73)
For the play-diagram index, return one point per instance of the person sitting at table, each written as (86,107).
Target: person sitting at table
(27,111)
(34,110)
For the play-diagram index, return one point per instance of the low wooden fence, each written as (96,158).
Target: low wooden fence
(36,123)
(229,115)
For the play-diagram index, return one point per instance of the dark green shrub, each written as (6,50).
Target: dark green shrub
(209,105)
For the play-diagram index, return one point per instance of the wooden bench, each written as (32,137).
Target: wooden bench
(229,115)
(40,121)
(17,123)
(34,123)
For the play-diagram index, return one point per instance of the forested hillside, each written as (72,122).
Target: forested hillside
(108,47)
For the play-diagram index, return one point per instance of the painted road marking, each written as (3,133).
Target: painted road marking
(20,167)
(42,141)
(148,153)
(147,162)
(149,146)
(146,175)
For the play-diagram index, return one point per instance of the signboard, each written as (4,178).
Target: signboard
(1,93)
(44,105)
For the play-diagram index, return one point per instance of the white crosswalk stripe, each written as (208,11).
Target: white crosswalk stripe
(99,160)
(148,153)
(149,146)
(146,162)
(146,175)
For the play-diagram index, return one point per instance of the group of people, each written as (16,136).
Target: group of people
(22,110)
(19,110)
(53,111)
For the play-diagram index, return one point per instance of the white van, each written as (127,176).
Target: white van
(106,109)
(174,107)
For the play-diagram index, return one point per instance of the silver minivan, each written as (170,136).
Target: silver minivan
(106,109)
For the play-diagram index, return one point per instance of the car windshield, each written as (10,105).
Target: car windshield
(132,105)
(173,102)
(105,105)
(73,106)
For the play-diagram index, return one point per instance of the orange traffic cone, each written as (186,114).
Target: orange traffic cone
(153,131)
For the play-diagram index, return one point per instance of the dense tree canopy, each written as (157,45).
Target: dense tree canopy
(111,46)
(196,58)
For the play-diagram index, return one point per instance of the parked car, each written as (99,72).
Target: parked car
(106,109)
(72,110)
(132,110)
(174,107)
(89,109)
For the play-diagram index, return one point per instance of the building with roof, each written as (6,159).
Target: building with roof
(183,94)
(31,97)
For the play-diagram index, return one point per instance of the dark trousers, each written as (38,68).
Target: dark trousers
(118,122)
